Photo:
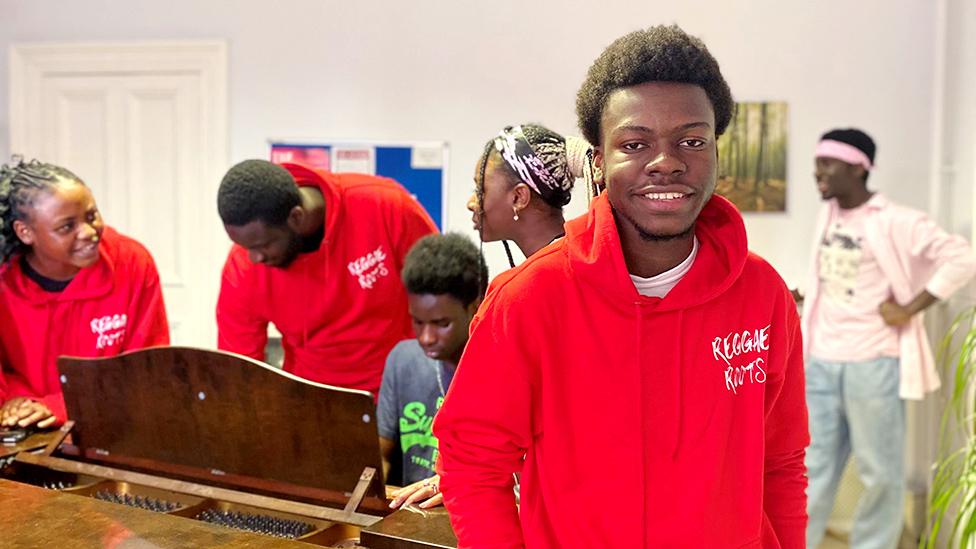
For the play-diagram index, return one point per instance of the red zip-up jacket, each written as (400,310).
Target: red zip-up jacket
(114,306)
(643,422)
(341,308)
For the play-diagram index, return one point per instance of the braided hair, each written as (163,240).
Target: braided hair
(540,155)
(479,191)
(19,183)
(550,149)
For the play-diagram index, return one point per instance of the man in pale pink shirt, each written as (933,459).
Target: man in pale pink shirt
(876,266)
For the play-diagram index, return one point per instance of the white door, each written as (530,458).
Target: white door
(144,125)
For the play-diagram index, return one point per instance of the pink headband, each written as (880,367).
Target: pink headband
(828,148)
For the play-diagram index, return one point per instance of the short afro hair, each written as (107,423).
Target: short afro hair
(658,54)
(257,190)
(451,264)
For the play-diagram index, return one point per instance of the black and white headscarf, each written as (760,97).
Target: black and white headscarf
(518,154)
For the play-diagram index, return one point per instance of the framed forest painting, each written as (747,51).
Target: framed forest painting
(752,158)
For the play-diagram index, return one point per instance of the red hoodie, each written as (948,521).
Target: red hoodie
(643,422)
(341,308)
(114,306)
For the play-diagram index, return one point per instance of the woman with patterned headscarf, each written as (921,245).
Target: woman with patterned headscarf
(522,181)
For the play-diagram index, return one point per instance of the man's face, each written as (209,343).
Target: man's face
(836,178)
(274,246)
(659,157)
(440,322)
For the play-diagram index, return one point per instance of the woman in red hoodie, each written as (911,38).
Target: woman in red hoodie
(69,285)
(522,181)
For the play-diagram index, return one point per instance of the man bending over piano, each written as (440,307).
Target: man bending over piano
(319,255)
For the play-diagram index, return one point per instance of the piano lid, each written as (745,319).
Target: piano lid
(222,413)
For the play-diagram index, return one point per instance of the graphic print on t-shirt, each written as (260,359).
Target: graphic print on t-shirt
(840,259)
(417,439)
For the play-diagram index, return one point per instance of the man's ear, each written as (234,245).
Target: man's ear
(599,176)
(24,232)
(296,218)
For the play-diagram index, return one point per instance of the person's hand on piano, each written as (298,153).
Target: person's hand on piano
(426,491)
(24,412)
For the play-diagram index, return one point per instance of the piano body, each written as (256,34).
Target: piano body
(183,447)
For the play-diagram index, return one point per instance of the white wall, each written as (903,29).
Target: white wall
(956,182)
(959,158)
(458,71)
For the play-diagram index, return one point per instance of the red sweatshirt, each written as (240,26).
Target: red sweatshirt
(114,306)
(643,422)
(341,308)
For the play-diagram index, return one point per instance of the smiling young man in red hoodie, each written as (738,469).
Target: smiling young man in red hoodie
(318,254)
(647,367)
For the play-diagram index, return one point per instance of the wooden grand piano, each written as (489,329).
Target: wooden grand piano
(180,447)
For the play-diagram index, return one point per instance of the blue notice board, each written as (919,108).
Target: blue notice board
(420,167)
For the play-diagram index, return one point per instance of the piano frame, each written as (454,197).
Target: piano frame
(224,428)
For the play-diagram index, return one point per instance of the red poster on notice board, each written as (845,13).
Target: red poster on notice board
(314,156)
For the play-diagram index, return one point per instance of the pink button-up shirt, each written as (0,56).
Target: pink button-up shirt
(915,254)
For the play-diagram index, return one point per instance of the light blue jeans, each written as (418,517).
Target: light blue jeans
(854,406)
